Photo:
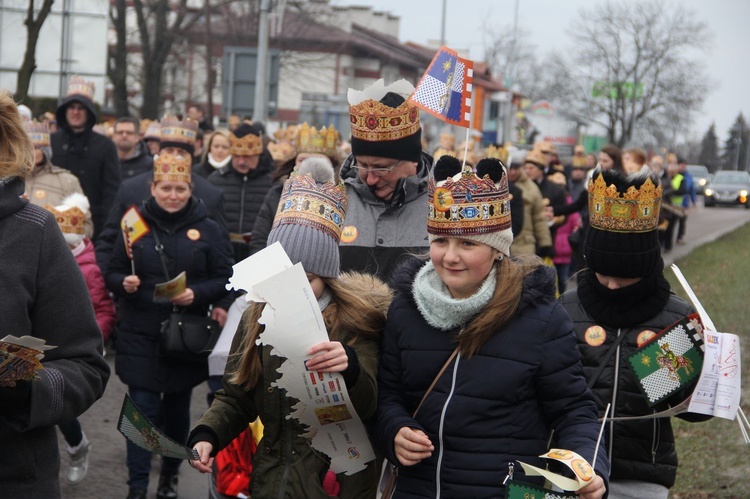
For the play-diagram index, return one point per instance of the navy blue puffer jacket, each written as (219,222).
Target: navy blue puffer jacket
(491,409)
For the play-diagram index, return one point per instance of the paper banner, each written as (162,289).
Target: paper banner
(21,359)
(582,470)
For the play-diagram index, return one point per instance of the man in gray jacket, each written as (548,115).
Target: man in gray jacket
(386,179)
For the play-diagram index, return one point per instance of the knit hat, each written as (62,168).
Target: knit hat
(245,141)
(622,238)
(310,217)
(179,134)
(384,123)
(463,205)
(71,217)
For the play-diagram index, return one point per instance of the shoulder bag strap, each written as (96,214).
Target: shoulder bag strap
(434,381)
(159,247)
(606,358)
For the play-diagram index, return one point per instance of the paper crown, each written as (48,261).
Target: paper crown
(153,131)
(375,122)
(579,162)
(306,202)
(466,205)
(281,152)
(545,146)
(38,133)
(71,221)
(635,210)
(178,133)
(500,153)
(536,156)
(325,141)
(174,167)
(286,134)
(79,86)
(249,145)
(440,151)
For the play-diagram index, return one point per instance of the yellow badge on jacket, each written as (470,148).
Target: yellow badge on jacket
(193,234)
(349,234)
(595,336)
(40,193)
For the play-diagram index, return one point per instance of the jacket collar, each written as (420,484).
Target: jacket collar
(11,189)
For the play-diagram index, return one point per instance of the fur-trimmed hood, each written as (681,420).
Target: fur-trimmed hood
(538,286)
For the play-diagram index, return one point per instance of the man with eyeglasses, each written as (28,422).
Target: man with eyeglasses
(90,156)
(135,157)
(386,179)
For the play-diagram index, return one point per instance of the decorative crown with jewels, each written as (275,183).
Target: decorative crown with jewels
(249,145)
(374,121)
(71,221)
(306,202)
(281,152)
(466,205)
(500,153)
(38,133)
(77,85)
(173,167)
(634,210)
(176,131)
(310,140)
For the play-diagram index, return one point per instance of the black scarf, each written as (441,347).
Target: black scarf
(624,307)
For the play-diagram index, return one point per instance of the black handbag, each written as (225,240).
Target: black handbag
(184,336)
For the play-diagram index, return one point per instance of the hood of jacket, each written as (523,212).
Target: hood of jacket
(62,120)
(407,189)
(11,189)
(265,165)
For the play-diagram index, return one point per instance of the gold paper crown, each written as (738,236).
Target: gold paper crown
(579,162)
(281,152)
(286,134)
(79,86)
(373,121)
(306,202)
(536,156)
(442,152)
(545,146)
(38,133)
(249,145)
(173,167)
(466,205)
(309,140)
(176,131)
(71,221)
(635,210)
(500,153)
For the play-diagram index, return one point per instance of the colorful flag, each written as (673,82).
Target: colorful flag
(133,228)
(515,489)
(670,360)
(445,88)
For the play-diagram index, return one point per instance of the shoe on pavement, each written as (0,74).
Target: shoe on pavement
(79,462)
(680,241)
(136,494)
(167,487)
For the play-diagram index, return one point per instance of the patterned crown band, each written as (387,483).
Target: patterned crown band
(38,133)
(178,131)
(320,206)
(468,206)
(79,86)
(281,152)
(172,167)
(309,140)
(635,210)
(71,221)
(373,121)
(249,145)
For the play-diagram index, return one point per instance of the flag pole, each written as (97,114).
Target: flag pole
(601,432)
(466,148)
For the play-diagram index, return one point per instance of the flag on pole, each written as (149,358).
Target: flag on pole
(445,88)
(133,228)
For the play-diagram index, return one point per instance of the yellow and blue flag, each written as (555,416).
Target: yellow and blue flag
(445,88)
(133,228)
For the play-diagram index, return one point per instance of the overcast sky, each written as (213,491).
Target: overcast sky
(727,61)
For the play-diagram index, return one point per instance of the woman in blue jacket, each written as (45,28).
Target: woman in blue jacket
(191,242)
(516,376)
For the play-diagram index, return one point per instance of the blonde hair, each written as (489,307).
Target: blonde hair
(207,143)
(16,151)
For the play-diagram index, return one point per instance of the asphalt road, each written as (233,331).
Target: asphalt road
(107,476)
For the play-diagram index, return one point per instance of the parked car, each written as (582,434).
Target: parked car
(700,177)
(728,187)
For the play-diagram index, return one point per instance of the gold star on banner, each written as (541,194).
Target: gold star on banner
(646,360)
(446,66)
(136,417)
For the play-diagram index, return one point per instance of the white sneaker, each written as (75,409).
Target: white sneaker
(79,462)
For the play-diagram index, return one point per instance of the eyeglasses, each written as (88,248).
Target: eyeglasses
(377,171)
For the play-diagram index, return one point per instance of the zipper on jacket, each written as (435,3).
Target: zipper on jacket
(440,429)
(242,204)
(614,397)
(287,446)
(655,441)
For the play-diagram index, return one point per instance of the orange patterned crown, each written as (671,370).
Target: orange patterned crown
(79,86)
(309,140)
(635,210)
(374,121)
(249,145)
(173,167)
(38,133)
(281,152)
(71,221)
(176,132)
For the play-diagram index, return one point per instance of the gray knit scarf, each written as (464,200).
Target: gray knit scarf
(439,308)
(325,298)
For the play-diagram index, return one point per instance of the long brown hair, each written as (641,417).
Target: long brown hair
(503,305)
(16,151)
(352,313)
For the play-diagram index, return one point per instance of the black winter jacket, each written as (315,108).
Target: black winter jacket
(192,243)
(642,449)
(491,409)
(140,162)
(264,220)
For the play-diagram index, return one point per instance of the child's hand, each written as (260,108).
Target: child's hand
(411,446)
(594,490)
(332,357)
(203,464)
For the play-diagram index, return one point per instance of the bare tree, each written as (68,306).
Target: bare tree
(630,66)
(117,62)
(513,57)
(33,27)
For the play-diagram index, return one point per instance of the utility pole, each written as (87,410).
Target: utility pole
(260,111)
(442,25)
(509,83)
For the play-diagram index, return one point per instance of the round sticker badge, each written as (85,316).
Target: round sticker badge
(40,194)
(595,336)
(644,336)
(582,469)
(193,234)
(349,234)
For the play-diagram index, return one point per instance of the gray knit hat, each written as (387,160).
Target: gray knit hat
(310,217)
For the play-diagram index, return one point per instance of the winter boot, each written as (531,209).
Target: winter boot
(79,461)
(167,487)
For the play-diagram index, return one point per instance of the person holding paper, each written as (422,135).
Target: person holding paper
(511,370)
(622,301)
(181,238)
(44,295)
(308,226)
